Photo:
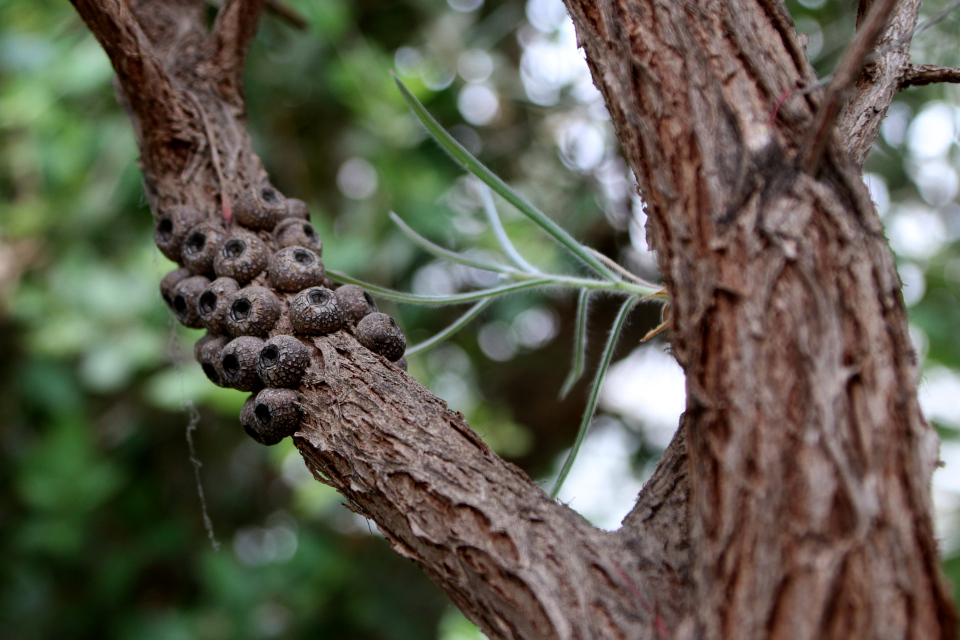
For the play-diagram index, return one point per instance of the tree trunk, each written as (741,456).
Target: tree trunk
(794,501)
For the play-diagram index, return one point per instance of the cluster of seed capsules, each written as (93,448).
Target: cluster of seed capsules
(259,287)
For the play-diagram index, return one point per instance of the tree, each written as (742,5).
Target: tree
(794,500)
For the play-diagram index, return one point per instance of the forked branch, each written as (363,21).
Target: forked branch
(518,564)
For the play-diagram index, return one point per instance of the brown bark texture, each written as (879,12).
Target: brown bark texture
(794,501)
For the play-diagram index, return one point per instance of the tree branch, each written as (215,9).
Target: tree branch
(860,118)
(230,38)
(918,75)
(518,564)
(146,86)
(852,63)
(795,500)
(788,324)
(287,13)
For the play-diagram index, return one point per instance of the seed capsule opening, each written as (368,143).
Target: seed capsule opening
(165,228)
(318,296)
(234,248)
(262,412)
(240,309)
(303,257)
(231,365)
(211,373)
(270,356)
(195,242)
(269,195)
(180,306)
(207,303)
(310,232)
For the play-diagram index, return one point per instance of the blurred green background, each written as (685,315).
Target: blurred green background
(100,519)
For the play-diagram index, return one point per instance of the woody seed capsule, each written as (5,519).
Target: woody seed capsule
(170,281)
(185,296)
(277,415)
(297,209)
(356,302)
(214,301)
(316,311)
(295,269)
(294,232)
(238,362)
(242,258)
(208,352)
(252,312)
(171,226)
(200,247)
(283,359)
(248,420)
(261,210)
(380,333)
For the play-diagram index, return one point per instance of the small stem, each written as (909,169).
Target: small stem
(494,218)
(594,393)
(455,326)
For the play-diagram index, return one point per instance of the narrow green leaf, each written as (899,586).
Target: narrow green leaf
(594,393)
(474,166)
(579,344)
(458,298)
(457,324)
(501,234)
(446,254)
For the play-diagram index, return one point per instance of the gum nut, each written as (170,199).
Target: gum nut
(241,257)
(262,209)
(252,311)
(248,420)
(294,232)
(200,247)
(238,363)
(315,312)
(208,352)
(277,415)
(185,296)
(297,209)
(295,269)
(170,227)
(402,363)
(283,360)
(380,333)
(214,301)
(356,302)
(170,281)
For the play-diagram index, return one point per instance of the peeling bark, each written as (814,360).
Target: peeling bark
(794,501)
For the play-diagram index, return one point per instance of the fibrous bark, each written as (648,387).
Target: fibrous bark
(810,461)
(794,501)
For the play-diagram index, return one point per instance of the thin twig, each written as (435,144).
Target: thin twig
(278,9)
(846,74)
(918,75)
(287,13)
(195,461)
